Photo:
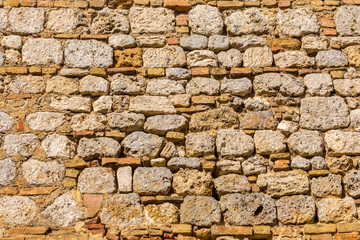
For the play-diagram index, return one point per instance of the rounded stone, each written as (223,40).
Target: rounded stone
(140,144)
(152,180)
(205,20)
(46,173)
(7,172)
(6,122)
(17,211)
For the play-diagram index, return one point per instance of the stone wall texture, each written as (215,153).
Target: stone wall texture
(180,119)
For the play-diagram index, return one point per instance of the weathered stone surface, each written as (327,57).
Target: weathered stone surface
(90,148)
(151,20)
(94,86)
(161,124)
(254,165)
(45,121)
(87,53)
(300,163)
(88,122)
(287,127)
(323,113)
(256,104)
(296,209)
(175,163)
(38,172)
(108,21)
(3,19)
(306,143)
(17,211)
(23,144)
(124,179)
(347,20)
(131,85)
(161,214)
(297,22)
(125,121)
(151,41)
(131,57)
(64,211)
(164,87)
(178,73)
(140,144)
(355,119)
(7,172)
(96,180)
(170,56)
(331,210)
(231,142)
(247,41)
(269,84)
(58,146)
(218,43)
(201,58)
(199,144)
(12,41)
(249,209)
(200,211)
(347,87)
(122,210)
(353,55)
(278,184)
(152,180)
(352,183)
(205,20)
(25,20)
(227,167)
(258,57)
(318,163)
(231,183)
(213,119)
(293,59)
(192,182)
(27,84)
(62,85)
(6,122)
(120,41)
(331,58)
(314,43)
(319,84)
(63,20)
(151,105)
(268,142)
(197,86)
(339,164)
(326,186)
(259,120)
(194,42)
(103,104)
(238,87)
(250,21)
(230,58)
(38,51)
(342,143)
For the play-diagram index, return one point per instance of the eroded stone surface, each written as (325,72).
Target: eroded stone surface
(38,51)
(326,186)
(125,121)
(161,214)
(161,124)
(152,181)
(25,20)
(352,183)
(296,209)
(90,148)
(96,180)
(306,143)
(268,142)
(231,183)
(164,87)
(107,22)
(43,173)
(339,143)
(140,144)
(319,84)
(6,122)
(205,20)
(131,85)
(151,105)
(198,85)
(7,172)
(347,20)
(45,121)
(213,119)
(17,211)
(170,56)
(23,144)
(199,144)
(58,146)
(258,57)
(192,182)
(331,210)
(234,143)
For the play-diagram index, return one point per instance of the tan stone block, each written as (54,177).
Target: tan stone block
(284,43)
(129,57)
(37,191)
(178,5)
(156,72)
(175,136)
(319,228)
(28,230)
(202,99)
(185,229)
(348,227)
(261,231)
(35,70)
(75,163)
(347,236)
(73,173)
(182,29)
(69,182)
(220,230)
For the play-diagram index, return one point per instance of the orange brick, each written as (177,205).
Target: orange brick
(98,72)
(327,21)
(35,70)
(65,4)
(281,165)
(330,32)
(305,71)
(67,36)
(288,70)
(128,161)
(80,4)
(220,230)
(49,70)
(230,4)
(112,236)
(173,41)
(182,20)
(37,191)
(321,237)
(271,69)
(20,126)
(147,199)
(28,3)
(142,2)
(218,72)
(347,236)
(252,4)
(331,3)
(201,71)
(97,3)
(202,99)
(178,5)
(239,72)
(28,230)
(255,188)
(45,3)
(284,3)
(9,190)
(16,70)
(92,203)
(12,3)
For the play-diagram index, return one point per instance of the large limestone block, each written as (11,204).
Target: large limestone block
(161,214)
(125,121)
(140,144)
(200,85)
(306,143)
(278,184)
(347,87)
(96,180)
(293,59)
(347,20)
(257,57)
(94,86)
(17,211)
(201,58)
(231,142)
(166,57)
(152,180)
(352,183)
(175,163)
(331,210)
(164,87)
(200,211)
(296,209)
(205,20)
(27,84)
(254,165)
(194,42)
(63,20)
(62,85)
(42,51)
(319,84)
(6,122)
(238,86)
(323,113)
(161,124)
(192,182)
(38,172)
(58,146)
(26,20)
(90,148)
(151,105)
(331,58)
(339,143)
(88,122)
(7,172)
(122,210)
(231,183)
(268,142)
(108,22)
(248,209)
(129,85)
(23,144)
(199,144)
(326,186)
(230,58)
(45,121)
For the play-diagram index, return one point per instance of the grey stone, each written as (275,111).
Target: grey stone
(300,163)
(27,84)
(152,180)
(323,113)
(192,182)
(205,20)
(230,58)
(103,104)
(6,122)
(87,53)
(45,121)
(124,179)
(342,143)
(164,87)
(231,183)
(108,22)
(58,146)
(306,143)
(25,20)
(200,211)
(293,59)
(90,148)
(296,209)
(345,41)
(194,42)
(256,57)
(130,85)
(140,144)
(254,165)
(201,58)
(218,43)
(314,43)
(166,213)
(199,144)
(352,183)
(330,210)
(170,56)
(17,211)
(318,163)
(199,85)
(181,100)
(120,41)
(94,86)
(38,51)
(256,104)
(319,84)
(178,73)
(161,124)
(63,20)
(347,87)
(175,163)
(62,85)
(268,142)
(169,151)
(125,121)
(46,173)
(88,122)
(331,58)
(23,144)
(326,186)
(12,41)
(238,87)
(151,105)
(233,142)
(7,172)
(96,180)
(248,41)
(347,20)
(248,209)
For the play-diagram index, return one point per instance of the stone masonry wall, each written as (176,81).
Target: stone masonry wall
(180,119)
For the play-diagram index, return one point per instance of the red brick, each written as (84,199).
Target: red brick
(173,41)
(20,126)
(271,69)
(178,5)
(200,72)
(37,191)
(92,203)
(330,32)
(28,230)
(240,72)
(347,236)
(112,236)
(127,161)
(98,231)
(281,165)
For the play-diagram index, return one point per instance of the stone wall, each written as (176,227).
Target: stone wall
(180,119)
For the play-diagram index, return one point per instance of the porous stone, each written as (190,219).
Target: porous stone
(58,146)
(352,183)
(96,180)
(27,84)
(355,119)
(199,85)
(164,87)
(296,209)
(62,85)
(223,117)
(248,209)
(227,167)
(254,165)
(231,183)
(314,44)
(257,57)
(94,86)
(306,143)
(331,210)
(124,179)
(63,20)
(318,163)
(192,182)
(230,58)
(17,211)
(151,41)
(339,164)
(166,213)
(256,104)
(342,143)
(319,84)
(151,105)
(26,20)
(88,122)
(194,42)
(45,121)
(151,20)
(131,57)
(7,172)
(161,124)
(170,56)
(200,211)
(231,142)
(90,148)
(3,19)
(347,20)
(23,144)
(326,186)
(347,87)
(278,184)
(175,163)
(297,22)
(6,122)
(269,141)
(103,104)
(87,53)
(331,58)
(323,113)
(293,59)
(125,121)
(12,41)
(201,58)
(38,172)
(205,20)
(178,73)
(122,210)
(120,41)
(353,55)
(131,85)
(199,144)
(218,43)
(152,180)
(259,120)
(300,163)
(238,87)
(38,51)
(108,22)
(64,211)
(247,41)
(140,144)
